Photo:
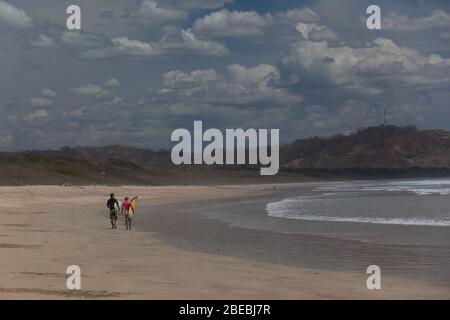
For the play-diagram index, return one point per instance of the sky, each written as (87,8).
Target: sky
(139,69)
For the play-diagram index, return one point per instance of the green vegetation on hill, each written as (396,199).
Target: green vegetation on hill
(377,152)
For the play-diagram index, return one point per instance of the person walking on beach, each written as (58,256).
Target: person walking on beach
(111,204)
(126,206)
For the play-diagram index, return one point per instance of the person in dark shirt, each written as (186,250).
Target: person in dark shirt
(111,204)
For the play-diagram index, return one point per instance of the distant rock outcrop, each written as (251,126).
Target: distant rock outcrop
(383,147)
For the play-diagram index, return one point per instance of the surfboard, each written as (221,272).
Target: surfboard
(118,207)
(133,206)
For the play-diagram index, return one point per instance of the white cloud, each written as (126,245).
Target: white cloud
(225,23)
(294,16)
(44,41)
(77,112)
(315,32)
(111,83)
(115,100)
(177,79)
(185,42)
(81,39)
(240,86)
(399,22)
(305,29)
(123,46)
(156,12)
(190,42)
(39,114)
(13,16)
(91,90)
(40,102)
(383,63)
(153,12)
(323,34)
(261,76)
(48,93)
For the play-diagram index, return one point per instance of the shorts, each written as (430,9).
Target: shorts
(113,214)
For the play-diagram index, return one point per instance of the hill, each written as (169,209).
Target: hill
(383,147)
(52,167)
(376,152)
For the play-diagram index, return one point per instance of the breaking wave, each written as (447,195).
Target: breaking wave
(372,203)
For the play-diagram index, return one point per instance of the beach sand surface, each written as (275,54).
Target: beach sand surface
(45,229)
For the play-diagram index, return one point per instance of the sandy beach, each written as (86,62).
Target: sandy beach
(44,229)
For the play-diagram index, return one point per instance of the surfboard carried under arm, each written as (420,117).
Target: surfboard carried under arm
(118,206)
(133,206)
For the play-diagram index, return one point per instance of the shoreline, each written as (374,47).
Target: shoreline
(44,229)
(257,237)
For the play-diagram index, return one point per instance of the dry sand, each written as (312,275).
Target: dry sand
(44,229)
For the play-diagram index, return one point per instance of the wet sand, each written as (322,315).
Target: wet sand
(44,229)
(250,234)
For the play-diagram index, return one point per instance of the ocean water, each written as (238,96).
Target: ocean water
(419,202)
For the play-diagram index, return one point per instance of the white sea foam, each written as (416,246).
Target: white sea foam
(418,187)
(293,208)
(396,221)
